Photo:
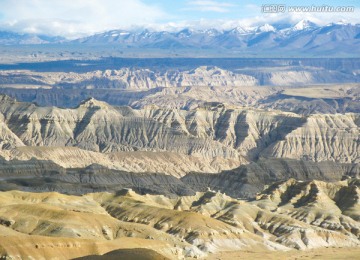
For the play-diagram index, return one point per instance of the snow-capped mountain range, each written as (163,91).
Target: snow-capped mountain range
(304,35)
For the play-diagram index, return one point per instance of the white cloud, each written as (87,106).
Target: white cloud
(209,6)
(76,18)
(72,18)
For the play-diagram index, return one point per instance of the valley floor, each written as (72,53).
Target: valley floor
(351,253)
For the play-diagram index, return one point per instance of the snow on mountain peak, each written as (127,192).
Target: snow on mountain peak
(303,24)
(266,28)
(239,30)
(342,22)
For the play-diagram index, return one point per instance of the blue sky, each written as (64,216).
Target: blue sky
(231,9)
(75,18)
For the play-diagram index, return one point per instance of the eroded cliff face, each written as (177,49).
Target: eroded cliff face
(301,100)
(287,215)
(285,85)
(170,163)
(139,77)
(212,131)
(277,134)
(96,126)
(130,78)
(322,137)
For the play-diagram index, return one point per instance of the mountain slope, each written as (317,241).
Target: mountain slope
(287,215)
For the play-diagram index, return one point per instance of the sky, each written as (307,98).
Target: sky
(77,18)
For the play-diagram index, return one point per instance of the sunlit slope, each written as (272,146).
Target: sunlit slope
(287,215)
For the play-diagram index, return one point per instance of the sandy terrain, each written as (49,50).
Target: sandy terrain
(323,253)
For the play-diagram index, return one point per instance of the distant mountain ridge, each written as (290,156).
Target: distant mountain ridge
(304,35)
(13,38)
